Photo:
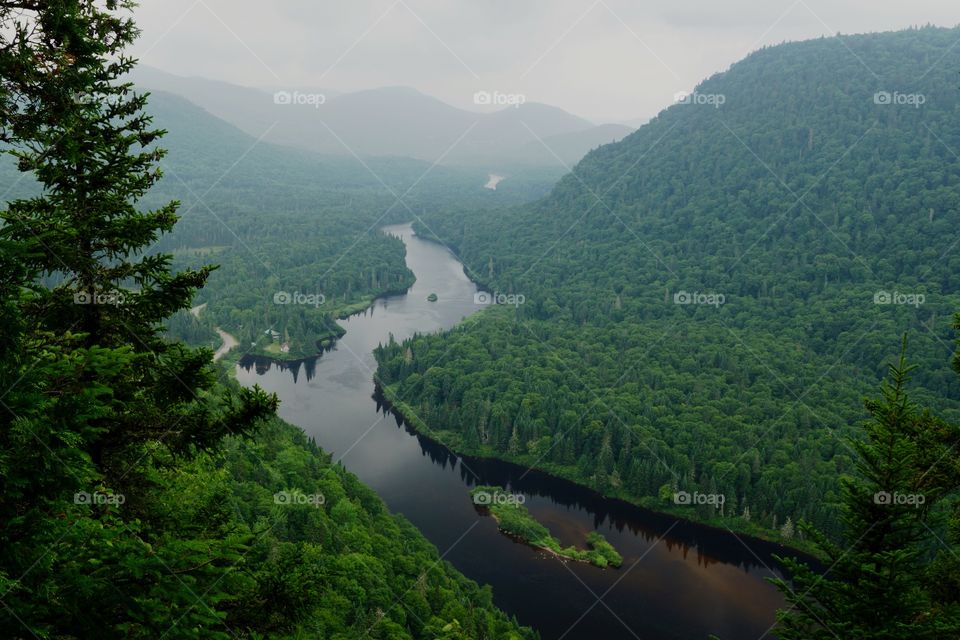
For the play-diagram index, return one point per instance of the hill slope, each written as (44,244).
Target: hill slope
(707,301)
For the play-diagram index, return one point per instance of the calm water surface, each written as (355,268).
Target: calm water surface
(678,580)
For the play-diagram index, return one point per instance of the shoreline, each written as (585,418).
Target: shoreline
(323,343)
(803,551)
(386,397)
(327,342)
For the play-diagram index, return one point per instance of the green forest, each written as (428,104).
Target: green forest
(707,301)
(743,314)
(143,495)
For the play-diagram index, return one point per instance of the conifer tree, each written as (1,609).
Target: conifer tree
(94,400)
(879,582)
(80,128)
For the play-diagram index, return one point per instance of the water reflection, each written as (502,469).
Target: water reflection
(262,364)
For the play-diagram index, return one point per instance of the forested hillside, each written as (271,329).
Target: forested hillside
(707,301)
(261,537)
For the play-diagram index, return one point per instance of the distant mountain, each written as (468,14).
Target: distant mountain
(636,123)
(392,121)
(205,151)
(249,109)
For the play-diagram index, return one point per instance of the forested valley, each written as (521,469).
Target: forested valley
(294,233)
(741,319)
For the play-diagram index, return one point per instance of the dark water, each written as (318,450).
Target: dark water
(678,580)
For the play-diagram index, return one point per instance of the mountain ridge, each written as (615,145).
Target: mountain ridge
(390,121)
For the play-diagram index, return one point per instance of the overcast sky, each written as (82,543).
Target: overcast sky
(602,59)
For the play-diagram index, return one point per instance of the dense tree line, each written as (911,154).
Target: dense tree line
(707,301)
(139,496)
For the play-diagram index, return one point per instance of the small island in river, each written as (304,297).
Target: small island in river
(432,297)
(515,520)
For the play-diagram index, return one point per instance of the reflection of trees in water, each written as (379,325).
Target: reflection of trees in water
(263,364)
(712,545)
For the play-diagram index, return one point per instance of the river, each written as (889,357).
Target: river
(678,580)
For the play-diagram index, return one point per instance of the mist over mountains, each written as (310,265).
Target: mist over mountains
(395,121)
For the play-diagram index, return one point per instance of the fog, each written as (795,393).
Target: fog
(606,60)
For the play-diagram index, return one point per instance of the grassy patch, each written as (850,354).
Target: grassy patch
(515,520)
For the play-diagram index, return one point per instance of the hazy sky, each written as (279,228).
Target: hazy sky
(601,59)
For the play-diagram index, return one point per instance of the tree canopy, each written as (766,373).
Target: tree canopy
(707,300)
